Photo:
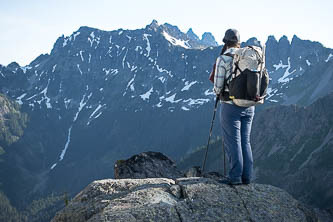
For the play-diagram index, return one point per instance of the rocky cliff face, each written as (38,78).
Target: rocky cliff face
(180,199)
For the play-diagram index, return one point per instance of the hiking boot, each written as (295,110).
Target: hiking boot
(246,182)
(234,183)
(223,181)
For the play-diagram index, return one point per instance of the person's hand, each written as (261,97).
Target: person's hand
(217,91)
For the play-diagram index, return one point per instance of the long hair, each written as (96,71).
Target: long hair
(228,45)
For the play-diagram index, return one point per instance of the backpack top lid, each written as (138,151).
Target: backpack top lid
(231,36)
(250,57)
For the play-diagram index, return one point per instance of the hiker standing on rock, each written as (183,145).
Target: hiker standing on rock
(236,121)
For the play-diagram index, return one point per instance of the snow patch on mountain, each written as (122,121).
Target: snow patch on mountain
(93,116)
(130,85)
(271,92)
(279,66)
(78,67)
(188,85)
(65,42)
(48,104)
(96,110)
(83,102)
(67,102)
(176,42)
(133,68)
(329,57)
(54,67)
(109,71)
(192,102)
(287,73)
(146,95)
(82,59)
(209,92)
(171,99)
(92,38)
(19,99)
(138,48)
(53,166)
(162,79)
(148,48)
(31,97)
(75,35)
(124,58)
(63,152)
(25,68)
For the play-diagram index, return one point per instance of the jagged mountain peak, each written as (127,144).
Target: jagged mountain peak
(271,41)
(271,38)
(39,59)
(153,25)
(192,35)
(284,40)
(209,39)
(295,38)
(252,41)
(13,66)
(86,37)
(171,28)
(85,29)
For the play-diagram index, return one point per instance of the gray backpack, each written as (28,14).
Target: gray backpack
(248,82)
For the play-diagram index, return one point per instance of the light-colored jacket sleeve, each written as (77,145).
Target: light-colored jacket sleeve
(220,73)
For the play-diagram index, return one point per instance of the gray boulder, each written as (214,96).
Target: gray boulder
(146,165)
(183,199)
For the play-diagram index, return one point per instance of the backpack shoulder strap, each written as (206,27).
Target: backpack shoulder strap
(229,54)
(233,66)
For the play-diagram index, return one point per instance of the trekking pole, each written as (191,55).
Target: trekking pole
(210,134)
(224,164)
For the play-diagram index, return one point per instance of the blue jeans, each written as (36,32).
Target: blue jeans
(236,129)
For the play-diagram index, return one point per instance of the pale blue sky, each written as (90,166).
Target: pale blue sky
(30,28)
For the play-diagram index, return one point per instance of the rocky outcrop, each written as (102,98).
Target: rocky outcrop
(146,165)
(178,199)
(183,199)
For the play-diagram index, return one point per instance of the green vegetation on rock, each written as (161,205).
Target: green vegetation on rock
(37,211)
(12,122)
